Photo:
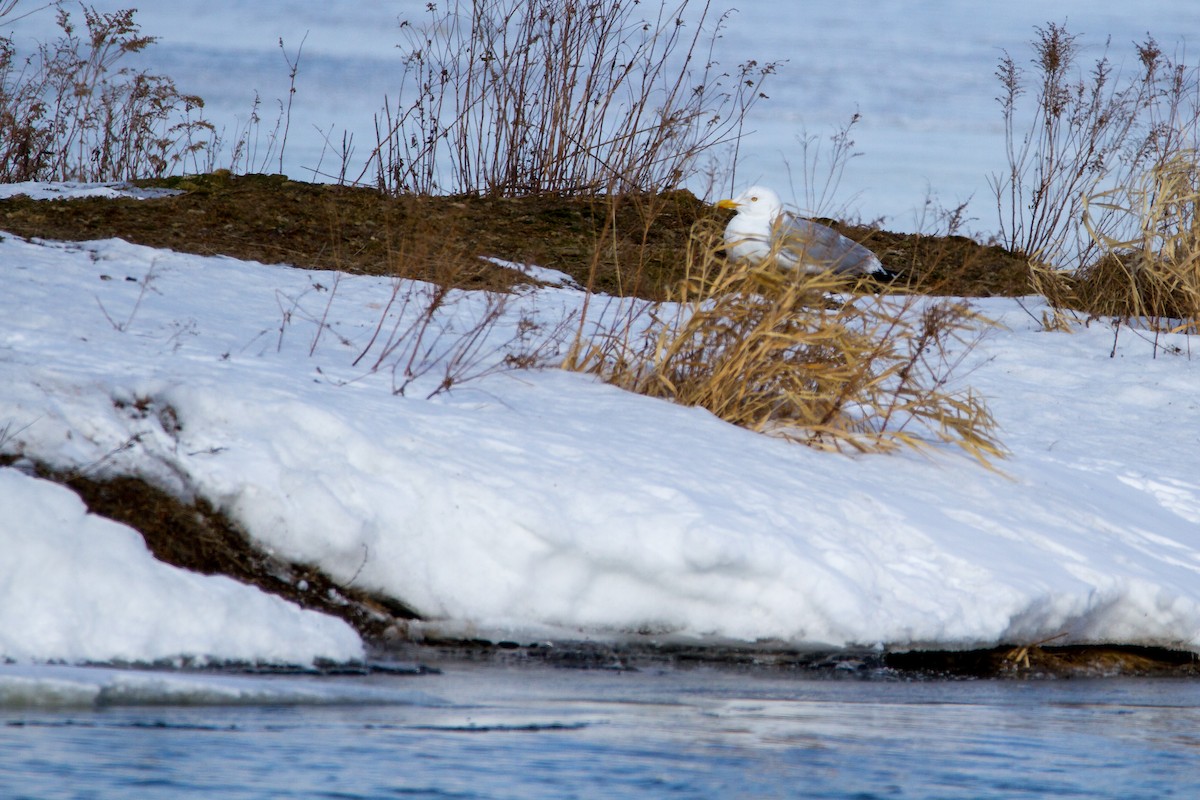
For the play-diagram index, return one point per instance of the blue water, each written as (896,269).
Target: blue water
(495,732)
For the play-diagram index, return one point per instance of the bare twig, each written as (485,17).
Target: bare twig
(145,286)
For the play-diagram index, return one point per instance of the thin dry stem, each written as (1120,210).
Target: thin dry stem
(1075,131)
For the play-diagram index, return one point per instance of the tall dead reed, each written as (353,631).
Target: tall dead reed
(516,97)
(1081,133)
(1101,188)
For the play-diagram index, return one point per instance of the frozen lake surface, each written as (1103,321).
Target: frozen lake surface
(497,732)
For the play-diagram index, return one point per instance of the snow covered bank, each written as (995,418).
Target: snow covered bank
(544,503)
(77,587)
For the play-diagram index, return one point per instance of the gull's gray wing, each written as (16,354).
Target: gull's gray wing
(818,246)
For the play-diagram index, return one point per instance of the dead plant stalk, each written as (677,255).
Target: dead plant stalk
(517,97)
(69,112)
(1079,130)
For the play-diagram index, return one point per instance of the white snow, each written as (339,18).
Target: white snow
(543,503)
(77,587)
(36,190)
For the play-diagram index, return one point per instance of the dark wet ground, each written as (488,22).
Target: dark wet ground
(633,244)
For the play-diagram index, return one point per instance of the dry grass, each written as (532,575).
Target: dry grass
(431,336)
(71,112)
(1155,273)
(435,338)
(811,358)
(1148,277)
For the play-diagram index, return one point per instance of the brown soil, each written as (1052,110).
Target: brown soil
(1074,661)
(1007,662)
(636,243)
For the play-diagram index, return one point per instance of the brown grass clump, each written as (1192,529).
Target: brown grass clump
(808,357)
(1149,274)
(1156,271)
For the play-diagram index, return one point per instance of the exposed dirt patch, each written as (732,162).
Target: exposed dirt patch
(1072,661)
(1085,661)
(274,220)
(635,243)
(947,265)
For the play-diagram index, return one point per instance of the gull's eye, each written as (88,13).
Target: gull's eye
(754,199)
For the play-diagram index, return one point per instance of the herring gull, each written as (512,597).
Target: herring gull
(762,228)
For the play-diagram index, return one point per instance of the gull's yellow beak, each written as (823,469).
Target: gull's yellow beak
(727,204)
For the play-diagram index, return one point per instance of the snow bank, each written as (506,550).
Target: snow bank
(77,587)
(544,503)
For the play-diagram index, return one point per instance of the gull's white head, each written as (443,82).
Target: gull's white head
(748,234)
(757,202)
